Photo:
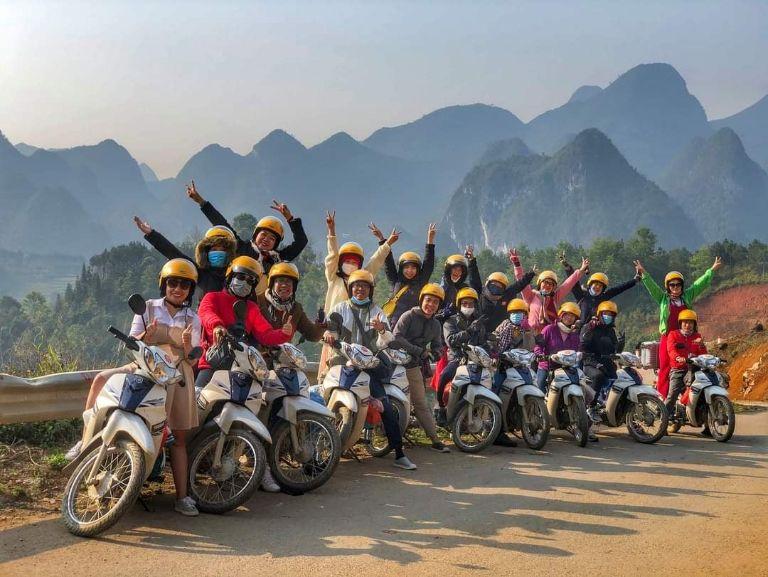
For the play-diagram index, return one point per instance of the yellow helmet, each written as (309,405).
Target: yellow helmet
(221,231)
(687,315)
(245,265)
(465,293)
(607,307)
(409,257)
(498,277)
(271,224)
(546,274)
(517,305)
(360,275)
(455,259)
(598,277)
(569,307)
(434,290)
(178,268)
(673,275)
(286,269)
(351,248)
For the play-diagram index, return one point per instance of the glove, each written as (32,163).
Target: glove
(539,340)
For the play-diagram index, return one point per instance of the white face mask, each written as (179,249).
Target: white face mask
(348,268)
(467,311)
(240,288)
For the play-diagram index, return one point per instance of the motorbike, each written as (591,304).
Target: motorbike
(522,403)
(473,409)
(122,437)
(305,445)
(227,455)
(631,402)
(705,401)
(565,401)
(346,390)
(374,438)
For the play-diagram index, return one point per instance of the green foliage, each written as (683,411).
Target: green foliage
(45,433)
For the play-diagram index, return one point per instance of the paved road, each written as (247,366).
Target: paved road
(688,505)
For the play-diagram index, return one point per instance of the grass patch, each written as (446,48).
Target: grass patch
(43,433)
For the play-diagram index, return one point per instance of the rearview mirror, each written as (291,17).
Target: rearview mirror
(195,353)
(137,303)
(240,308)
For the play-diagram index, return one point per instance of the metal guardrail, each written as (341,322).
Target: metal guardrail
(58,396)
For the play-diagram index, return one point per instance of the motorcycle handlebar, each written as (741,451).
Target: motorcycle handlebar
(129,341)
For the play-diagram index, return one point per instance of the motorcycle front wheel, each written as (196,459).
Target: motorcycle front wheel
(535,422)
(377,444)
(721,418)
(485,427)
(88,510)
(579,420)
(647,420)
(313,464)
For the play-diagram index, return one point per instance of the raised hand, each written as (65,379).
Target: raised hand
(283,209)
(328,338)
(378,324)
(431,232)
(330,221)
(718,263)
(376,231)
(584,264)
(393,237)
(150,331)
(193,194)
(186,337)
(639,268)
(142,225)
(561,257)
(514,257)
(469,252)
(288,327)
(218,334)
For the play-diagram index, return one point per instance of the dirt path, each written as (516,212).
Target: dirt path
(689,506)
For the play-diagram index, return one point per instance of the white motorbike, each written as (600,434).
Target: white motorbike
(522,403)
(565,401)
(706,401)
(374,437)
(346,390)
(122,438)
(227,456)
(631,402)
(473,409)
(305,445)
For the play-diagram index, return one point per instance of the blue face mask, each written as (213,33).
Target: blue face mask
(360,303)
(516,318)
(607,319)
(217,258)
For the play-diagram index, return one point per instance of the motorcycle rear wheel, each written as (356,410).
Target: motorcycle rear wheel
(719,409)
(377,444)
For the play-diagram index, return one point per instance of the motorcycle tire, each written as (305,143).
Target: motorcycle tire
(638,435)
(721,435)
(378,444)
(577,412)
(538,438)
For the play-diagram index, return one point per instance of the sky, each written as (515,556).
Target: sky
(165,79)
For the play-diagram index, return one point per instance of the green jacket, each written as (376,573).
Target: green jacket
(661,296)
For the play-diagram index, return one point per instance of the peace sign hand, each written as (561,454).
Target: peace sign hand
(283,209)
(376,231)
(330,221)
(193,194)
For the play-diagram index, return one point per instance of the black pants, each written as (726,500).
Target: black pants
(380,375)
(676,388)
(203,378)
(448,373)
(599,377)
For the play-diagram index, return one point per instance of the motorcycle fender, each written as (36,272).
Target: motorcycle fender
(527,391)
(292,405)
(232,413)
(474,391)
(572,391)
(713,391)
(634,391)
(397,393)
(132,425)
(342,397)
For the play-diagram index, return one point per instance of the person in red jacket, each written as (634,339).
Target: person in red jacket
(217,315)
(681,344)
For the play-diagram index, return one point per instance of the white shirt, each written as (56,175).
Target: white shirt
(160,313)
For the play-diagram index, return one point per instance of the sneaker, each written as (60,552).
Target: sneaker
(405,463)
(440,447)
(74,452)
(504,440)
(593,414)
(187,507)
(592,438)
(268,482)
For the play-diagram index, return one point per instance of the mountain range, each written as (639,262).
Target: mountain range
(648,127)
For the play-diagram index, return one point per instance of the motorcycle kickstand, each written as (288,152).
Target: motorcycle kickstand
(350,453)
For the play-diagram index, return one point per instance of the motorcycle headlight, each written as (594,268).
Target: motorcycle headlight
(397,356)
(259,367)
(293,355)
(481,357)
(568,358)
(519,357)
(161,367)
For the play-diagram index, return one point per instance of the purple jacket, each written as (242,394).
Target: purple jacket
(553,342)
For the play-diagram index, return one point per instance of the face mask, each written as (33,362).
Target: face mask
(495,290)
(545,293)
(467,311)
(516,318)
(217,258)
(563,327)
(348,268)
(607,319)
(240,288)
(592,291)
(360,303)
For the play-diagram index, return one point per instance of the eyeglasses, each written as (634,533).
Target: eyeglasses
(675,284)
(181,283)
(244,277)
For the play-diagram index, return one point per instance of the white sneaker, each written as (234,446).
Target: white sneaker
(74,452)
(268,482)
(187,507)
(405,463)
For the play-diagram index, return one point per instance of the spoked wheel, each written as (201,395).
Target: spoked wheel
(344,422)
(377,444)
(313,464)
(721,418)
(579,420)
(535,426)
(89,509)
(230,484)
(474,436)
(647,420)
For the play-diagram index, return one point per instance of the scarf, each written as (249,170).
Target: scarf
(278,309)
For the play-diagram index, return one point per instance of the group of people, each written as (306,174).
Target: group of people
(431,321)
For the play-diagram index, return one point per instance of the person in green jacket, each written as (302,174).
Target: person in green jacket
(672,299)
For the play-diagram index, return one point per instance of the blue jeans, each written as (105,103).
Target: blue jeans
(541,379)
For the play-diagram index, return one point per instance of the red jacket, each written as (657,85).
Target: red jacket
(216,311)
(678,345)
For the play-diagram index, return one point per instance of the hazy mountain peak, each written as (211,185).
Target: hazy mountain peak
(278,144)
(503,149)
(7,150)
(585,92)
(26,149)
(654,77)
(147,173)
(751,124)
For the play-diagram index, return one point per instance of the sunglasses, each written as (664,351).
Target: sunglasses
(244,277)
(675,284)
(181,283)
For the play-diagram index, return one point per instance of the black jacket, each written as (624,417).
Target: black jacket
(599,342)
(459,330)
(410,298)
(588,303)
(244,247)
(415,333)
(471,279)
(496,312)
